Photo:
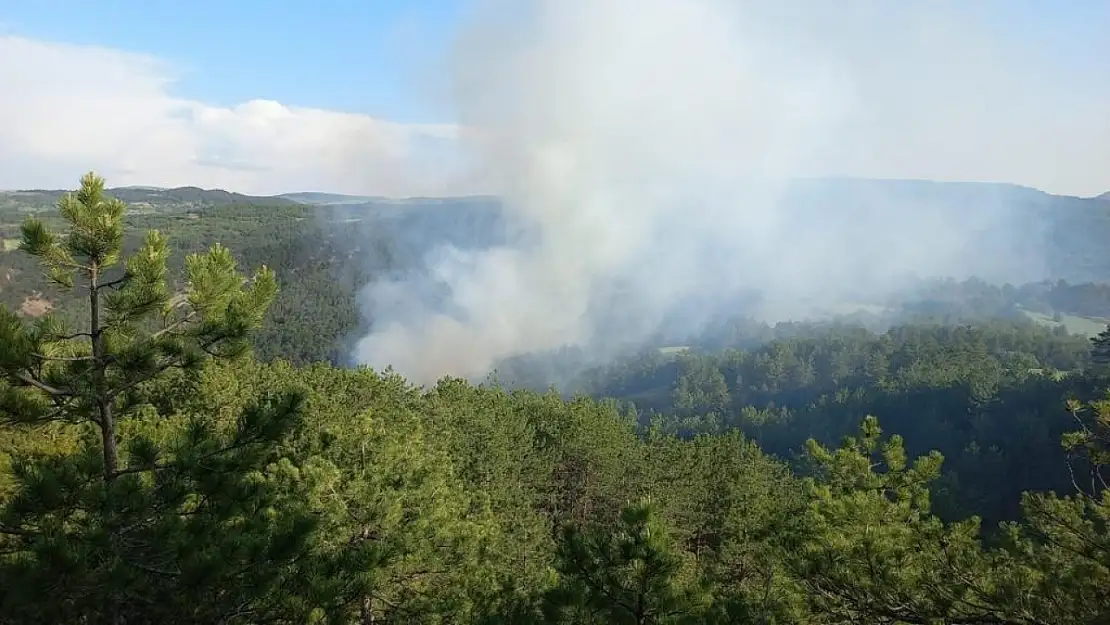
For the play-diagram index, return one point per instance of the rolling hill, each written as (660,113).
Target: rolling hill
(325,199)
(325,246)
(141,198)
(1008,233)
(185,198)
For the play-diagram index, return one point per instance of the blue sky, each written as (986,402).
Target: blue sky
(253,95)
(362,55)
(349,55)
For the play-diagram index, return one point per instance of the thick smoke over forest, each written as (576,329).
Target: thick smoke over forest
(663,156)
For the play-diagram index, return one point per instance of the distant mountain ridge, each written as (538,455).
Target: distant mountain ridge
(1018,234)
(140,196)
(196,196)
(322,198)
(192,194)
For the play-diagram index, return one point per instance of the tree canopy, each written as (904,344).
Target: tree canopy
(153,469)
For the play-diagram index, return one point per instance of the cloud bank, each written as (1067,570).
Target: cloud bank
(643,148)
(646,148)
(66,109)
(926,90)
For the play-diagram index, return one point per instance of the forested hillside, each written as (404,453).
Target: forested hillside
(321,254)
(154,470)
(324,247)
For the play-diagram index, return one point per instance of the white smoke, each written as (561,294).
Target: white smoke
(646,145)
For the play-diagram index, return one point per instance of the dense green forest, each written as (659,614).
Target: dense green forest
(179,444)
(324,253)
(322,256)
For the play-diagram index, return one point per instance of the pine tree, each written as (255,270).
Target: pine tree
(869,549)
(1100,352)
(401,538)
(630,574)
(146,517)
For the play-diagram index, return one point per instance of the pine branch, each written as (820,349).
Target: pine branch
(70,264)
(173,326)
(42,386)
(59,413)
(67,337)
(63,358)
(162,368)
(244,609)
(146,468)
(115,283)
(15,531)
(162,466)
(176,362)
(152,570)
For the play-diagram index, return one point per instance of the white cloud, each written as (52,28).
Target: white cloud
(66,109)
(941,100)
(647,143)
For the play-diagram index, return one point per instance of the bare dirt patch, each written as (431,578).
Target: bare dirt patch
(35,306)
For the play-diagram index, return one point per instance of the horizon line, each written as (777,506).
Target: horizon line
(141,187)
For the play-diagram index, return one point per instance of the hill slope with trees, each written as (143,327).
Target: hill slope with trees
(153,471)
(324,252)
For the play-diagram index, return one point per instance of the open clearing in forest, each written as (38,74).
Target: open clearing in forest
(1086,326)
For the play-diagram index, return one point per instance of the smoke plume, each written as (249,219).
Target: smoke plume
(652,156)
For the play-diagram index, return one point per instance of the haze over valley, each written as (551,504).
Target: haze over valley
(878,240)
(555,312)
(658,155)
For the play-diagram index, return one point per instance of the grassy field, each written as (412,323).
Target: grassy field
(850,308)
(673,349)
(10,245)
(1087,326)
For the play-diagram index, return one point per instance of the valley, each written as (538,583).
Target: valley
(555,312)
(746,454)
(326,247)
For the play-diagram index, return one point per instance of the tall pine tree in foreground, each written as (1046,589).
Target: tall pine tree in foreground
(628,574)
(137,516)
